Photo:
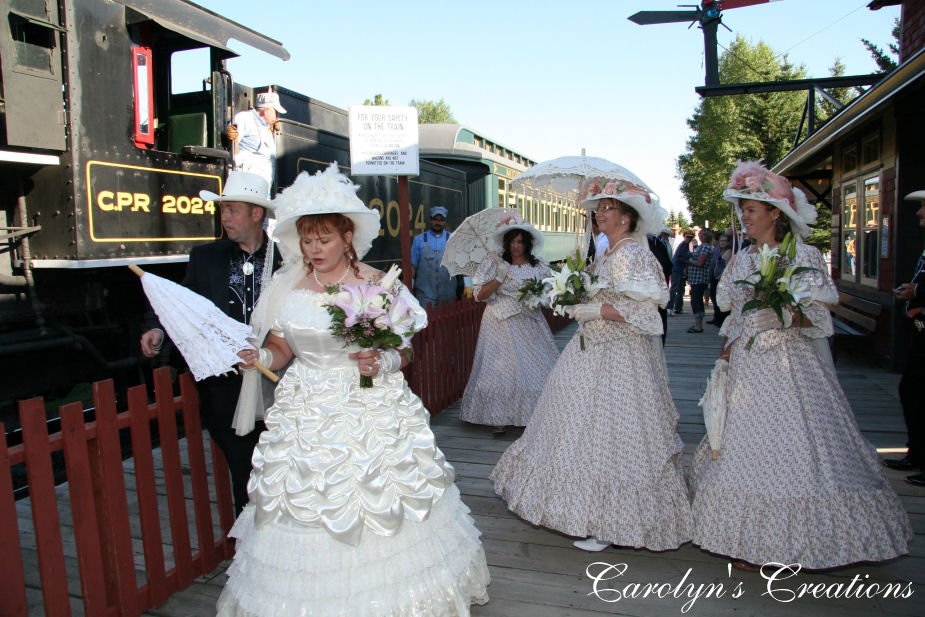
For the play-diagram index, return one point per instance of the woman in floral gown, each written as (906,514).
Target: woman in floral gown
(600,458)
(795,482)
(515,351)
(353,510)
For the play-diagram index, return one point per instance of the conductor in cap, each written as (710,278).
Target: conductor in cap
(253,134)
(432,282)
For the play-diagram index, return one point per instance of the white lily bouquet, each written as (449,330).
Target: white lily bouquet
(372,317)
(532,294)
(573,284)
(777,282)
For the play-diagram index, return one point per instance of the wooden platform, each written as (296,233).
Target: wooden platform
(536,572)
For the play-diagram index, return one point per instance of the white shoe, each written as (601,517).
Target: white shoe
(591,544)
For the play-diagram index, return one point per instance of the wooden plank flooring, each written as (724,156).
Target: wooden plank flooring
(537,573)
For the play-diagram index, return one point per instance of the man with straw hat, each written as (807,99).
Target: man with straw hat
(231,272)
(912,384)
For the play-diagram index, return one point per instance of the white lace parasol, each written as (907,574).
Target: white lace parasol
(208,339)
(714,405)
(473,242)
(565,175)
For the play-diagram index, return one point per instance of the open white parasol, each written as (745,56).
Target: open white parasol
(566,174)
(208,339)
(473,242)
(714,405)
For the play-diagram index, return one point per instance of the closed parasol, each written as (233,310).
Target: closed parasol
(208,339)
(473,241)
(714,405)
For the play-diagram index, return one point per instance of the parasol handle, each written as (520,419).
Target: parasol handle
(136,270)
(266,372)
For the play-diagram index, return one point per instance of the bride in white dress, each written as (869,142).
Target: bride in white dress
(353,510)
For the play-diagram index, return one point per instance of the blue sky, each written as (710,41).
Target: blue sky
(544,77)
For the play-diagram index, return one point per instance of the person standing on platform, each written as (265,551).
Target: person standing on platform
(432,282)
(794,481)
(515,350)
(354,511)
(698,274)
(230,272)
(661,249)
(912,384)
(682,255)
(255,132)
(581,467)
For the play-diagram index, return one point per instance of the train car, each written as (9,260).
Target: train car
(490,167)
(102,157)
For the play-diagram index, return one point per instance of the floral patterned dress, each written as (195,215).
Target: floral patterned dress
(601,456)
(795,481)
(514,354)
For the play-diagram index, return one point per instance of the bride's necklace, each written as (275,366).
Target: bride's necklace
(610,250)
(337,282)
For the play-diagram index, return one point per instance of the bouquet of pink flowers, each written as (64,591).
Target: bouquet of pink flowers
(370,316)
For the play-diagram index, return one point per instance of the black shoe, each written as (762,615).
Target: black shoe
(712,322)
(918,479)
(901,464)
(694,330)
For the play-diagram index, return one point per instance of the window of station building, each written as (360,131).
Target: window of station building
(849,159)
(870,150)
(859,237)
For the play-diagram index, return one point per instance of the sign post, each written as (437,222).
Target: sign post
(384,141)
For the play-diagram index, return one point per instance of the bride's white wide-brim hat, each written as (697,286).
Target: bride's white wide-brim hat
(327,192)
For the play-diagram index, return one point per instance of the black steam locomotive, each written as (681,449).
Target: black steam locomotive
(101,164)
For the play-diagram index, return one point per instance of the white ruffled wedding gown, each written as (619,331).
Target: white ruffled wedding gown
(353,511)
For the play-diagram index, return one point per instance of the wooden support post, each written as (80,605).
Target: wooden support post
(404,229)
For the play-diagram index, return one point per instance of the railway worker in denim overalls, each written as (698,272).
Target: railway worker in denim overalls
(432,282)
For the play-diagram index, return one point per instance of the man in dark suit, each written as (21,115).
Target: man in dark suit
(660,250)
(231,272)
(912,384)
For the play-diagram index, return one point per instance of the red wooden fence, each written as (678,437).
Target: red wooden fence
(101,515)
(100,518)
(444,351)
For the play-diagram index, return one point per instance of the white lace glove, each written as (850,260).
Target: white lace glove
(389,361)
(587,312)
(767,319)
(502,270)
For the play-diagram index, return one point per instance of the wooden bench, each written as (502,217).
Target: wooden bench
(853,319)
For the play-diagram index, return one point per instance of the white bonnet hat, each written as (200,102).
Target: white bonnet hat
(646,204)
(514,221)
(752,180)
(327,192)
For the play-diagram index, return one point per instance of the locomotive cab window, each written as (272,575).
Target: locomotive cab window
(174,106)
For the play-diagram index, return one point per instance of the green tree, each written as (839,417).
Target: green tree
(377,100)
(433,112)
(677,219)
(730,128)
(886,61)
(826,109)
